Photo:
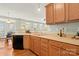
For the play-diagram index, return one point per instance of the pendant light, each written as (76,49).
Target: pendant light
(8,21)
(38,9)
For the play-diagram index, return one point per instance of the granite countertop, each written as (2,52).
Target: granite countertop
(53,37)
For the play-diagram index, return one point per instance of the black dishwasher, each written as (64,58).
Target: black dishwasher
(17,42)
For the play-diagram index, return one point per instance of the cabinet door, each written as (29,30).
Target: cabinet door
(37,45)
(50,14)
(59,13)
(26,42)
(31,43)
(44,51)
(44,47)
(54,51)
(74,11)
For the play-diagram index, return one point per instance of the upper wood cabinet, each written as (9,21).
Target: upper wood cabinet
(50,14)
(62,12)
(73,11)
(59,12)
(55,13)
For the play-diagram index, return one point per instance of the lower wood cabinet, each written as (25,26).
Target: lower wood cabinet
(54,51)
(67,53)
(54,48)
(31,43)
(69,50)
(44,47)
(37,45)
(70,47)
(26,41)
(47,47)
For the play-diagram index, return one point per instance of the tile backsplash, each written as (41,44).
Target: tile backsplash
(69,28)
(22,26)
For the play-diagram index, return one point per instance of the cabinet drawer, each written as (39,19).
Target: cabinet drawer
(67,53)
(45,41)
(55,43)
(70,47)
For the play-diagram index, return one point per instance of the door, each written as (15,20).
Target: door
(59,12)
(31,43)
(37,45)
(54,51)
(73,11)
(44,47)
(26,41)
(50,14)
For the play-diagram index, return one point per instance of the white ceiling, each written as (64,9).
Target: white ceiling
(27,11)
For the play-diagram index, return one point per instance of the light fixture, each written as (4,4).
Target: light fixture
(8,21)
(39,9)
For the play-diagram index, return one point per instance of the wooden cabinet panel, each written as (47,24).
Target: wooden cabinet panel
(50,14)
(67,53)
(78,50)
(37,45)
(59,12)
(44,43)
(73,11)
(70,47)
(44,52)
(54,48)
(32,43)
(44,47)
(56,43)
(54,51)
(26,41)
(55,13)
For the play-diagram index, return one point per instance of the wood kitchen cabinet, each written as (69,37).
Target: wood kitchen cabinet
(70,47)
(55,13)
(73,11)
(54,51)
(62,12)
(54,48)
(69,50)
(50,14)
(32,43)
(67,53)
(59,12)
(44,47)
(37,45)
(26,41)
